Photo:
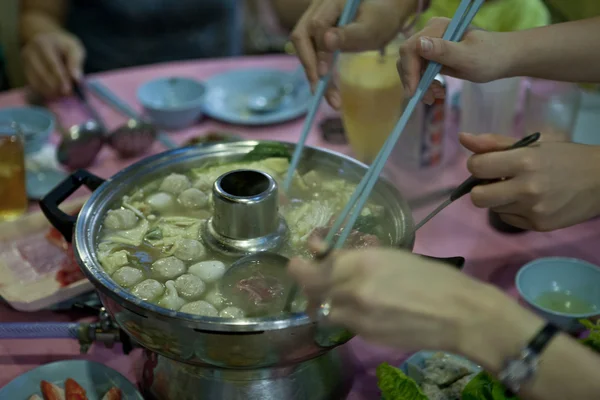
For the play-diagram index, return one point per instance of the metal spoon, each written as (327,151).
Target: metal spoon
(81,144)
(270,98)
(229,279)
(136,135)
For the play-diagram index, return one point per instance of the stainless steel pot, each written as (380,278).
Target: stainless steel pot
(249,344)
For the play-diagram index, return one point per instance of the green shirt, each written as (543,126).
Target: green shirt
(571,10)
(495,15)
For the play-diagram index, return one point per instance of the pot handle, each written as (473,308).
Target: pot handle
(457,262)
(62,221)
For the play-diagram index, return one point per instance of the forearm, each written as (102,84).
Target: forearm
(567,52)
(40,16)
(505,328)
(289,11)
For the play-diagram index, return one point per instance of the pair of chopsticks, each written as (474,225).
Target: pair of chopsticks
(347,16)
(458,25)
(456,28)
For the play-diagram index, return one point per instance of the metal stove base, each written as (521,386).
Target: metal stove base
(328,377)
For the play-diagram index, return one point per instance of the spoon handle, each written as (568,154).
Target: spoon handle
(82,96)
(109,97)
(106,95)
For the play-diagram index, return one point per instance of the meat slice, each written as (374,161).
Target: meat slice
(261,289)
(74,391)
(356,239)
(51,392)
(113,394)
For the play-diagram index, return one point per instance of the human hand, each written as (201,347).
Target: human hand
(479,57)
(394,298)
(316,35)
(548,186)
(51,61)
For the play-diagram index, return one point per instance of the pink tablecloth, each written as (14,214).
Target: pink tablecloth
(460,230)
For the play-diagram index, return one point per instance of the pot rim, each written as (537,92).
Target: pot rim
(104,283)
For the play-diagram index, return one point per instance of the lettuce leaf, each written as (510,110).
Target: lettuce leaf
(593,338)
(484,387)
(268,150)
(395,385)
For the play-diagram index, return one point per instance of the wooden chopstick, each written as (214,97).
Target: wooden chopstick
(458,25)
(347,16)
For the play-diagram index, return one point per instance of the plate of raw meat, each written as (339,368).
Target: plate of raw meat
(71,380)
(37,265)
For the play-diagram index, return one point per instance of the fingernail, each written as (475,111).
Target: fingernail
(426,45)
(322,67)
(335,40)
(336,101)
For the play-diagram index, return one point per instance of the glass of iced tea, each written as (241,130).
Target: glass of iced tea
(13,196)
(372,98)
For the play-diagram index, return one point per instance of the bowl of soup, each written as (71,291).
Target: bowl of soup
(139,240)
(562,290)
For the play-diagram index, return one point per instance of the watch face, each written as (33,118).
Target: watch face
(518,371)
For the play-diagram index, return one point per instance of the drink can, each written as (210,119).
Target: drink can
(421,145)
(431,130)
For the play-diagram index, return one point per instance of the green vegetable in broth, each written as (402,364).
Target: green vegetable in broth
(268,150)
(366,224)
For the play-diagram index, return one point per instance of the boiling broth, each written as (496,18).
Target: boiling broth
(151,244)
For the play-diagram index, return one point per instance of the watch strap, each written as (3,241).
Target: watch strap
(518,371)
(542,338)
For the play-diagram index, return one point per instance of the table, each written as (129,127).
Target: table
(462,230)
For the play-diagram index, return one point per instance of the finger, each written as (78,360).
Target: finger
(409,66)
(323,19)
(485,143)
(496,194)
(498,164)
(74,55)
(37,84)
(517,221)
(373,27)
(52,58)
(333,96)
(313,279)
(40,77)
(305,49)
(449,54)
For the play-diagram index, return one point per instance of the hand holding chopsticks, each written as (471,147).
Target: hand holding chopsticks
(468,185)
(458,25)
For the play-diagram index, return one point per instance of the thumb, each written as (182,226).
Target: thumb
(449,54)
(485,143)
(74,54)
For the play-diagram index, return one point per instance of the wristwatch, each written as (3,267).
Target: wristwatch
(520,370)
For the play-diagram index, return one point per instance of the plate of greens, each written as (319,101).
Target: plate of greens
(429,375)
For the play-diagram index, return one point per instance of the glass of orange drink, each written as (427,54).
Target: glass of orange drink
(13,196)
(372,98)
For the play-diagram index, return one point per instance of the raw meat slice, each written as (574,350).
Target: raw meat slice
(113,394)
(51,392)
(74,391)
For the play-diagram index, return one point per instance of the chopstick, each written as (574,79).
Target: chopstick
(458,25)
(347,15)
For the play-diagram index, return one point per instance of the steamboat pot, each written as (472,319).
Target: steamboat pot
(254,358)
